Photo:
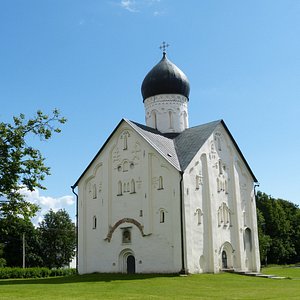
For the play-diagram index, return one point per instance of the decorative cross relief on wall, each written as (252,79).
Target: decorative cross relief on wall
(116,157)
(199,180)
(218,140)
(100,187)
(136,152)
(212,153)
(158,182)
(199,215)
(224,215)
(124,137)
(222,179)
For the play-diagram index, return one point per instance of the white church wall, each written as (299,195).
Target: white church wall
(167,113)
(223,194)
(138,204)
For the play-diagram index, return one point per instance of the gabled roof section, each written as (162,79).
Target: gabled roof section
(159,141)
(177,148)
(239,151)
(189,142)
(76,183)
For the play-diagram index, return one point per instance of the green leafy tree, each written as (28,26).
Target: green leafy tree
(281,226)
(2,259)
(21,165)
(264,239)
(12,229)
(58,239)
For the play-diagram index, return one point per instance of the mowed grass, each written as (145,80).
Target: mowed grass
(117,286)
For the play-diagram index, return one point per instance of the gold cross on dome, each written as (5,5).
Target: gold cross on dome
(164,46)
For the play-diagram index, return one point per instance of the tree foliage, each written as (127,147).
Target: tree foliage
(12,229)
(21,165)
(50,245)
(58,239)
(279,229)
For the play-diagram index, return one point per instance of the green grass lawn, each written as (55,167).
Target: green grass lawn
(116,286)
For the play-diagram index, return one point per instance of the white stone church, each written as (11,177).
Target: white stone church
(166,198)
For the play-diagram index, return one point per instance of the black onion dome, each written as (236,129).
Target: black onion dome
(165,78)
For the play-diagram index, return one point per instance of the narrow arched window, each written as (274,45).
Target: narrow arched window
(94,222)
(219,144)
(162,216)
(220,167)
(154,119)
(219,217)
(119,188)
(160,183)
(132,188)
(94,191)
(125,146)
(170,119)
(199,216)
(197,182)
(185,120)
(248,239)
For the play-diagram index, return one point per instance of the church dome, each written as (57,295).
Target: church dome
(165,78)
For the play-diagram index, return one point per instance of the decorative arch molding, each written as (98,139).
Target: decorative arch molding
(94,173)
(226,246)
(229,256)
(124,220)
(124,254)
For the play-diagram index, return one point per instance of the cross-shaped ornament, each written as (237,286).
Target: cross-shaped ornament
(164,46)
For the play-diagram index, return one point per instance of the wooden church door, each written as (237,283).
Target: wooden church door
(224,260)
(130,264)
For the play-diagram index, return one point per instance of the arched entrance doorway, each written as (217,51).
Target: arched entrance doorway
(130,262)
(224,260)
(127,261)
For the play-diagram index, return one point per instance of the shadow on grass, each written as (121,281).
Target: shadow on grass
(95,277)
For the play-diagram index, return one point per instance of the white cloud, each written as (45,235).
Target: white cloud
(129,5)
(135,6)
(46,203)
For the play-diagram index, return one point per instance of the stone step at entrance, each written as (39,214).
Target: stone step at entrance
(255,274)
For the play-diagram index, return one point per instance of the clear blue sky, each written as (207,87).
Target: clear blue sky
(88,58)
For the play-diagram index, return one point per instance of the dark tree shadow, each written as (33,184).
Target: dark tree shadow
(95,277)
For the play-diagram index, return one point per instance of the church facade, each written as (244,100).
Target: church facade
(166,198)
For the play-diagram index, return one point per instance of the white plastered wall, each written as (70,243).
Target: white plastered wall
(156,246)
(219,187)
(167,112)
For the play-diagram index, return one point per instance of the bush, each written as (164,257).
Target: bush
(2,262)
(6,273)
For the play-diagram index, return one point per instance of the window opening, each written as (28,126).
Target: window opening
(160,183)
(170,119)
(120,188)
(154,118)
(94,222)
(125,142)
(132,190)
(220,167)
(94,191)
(162,216)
